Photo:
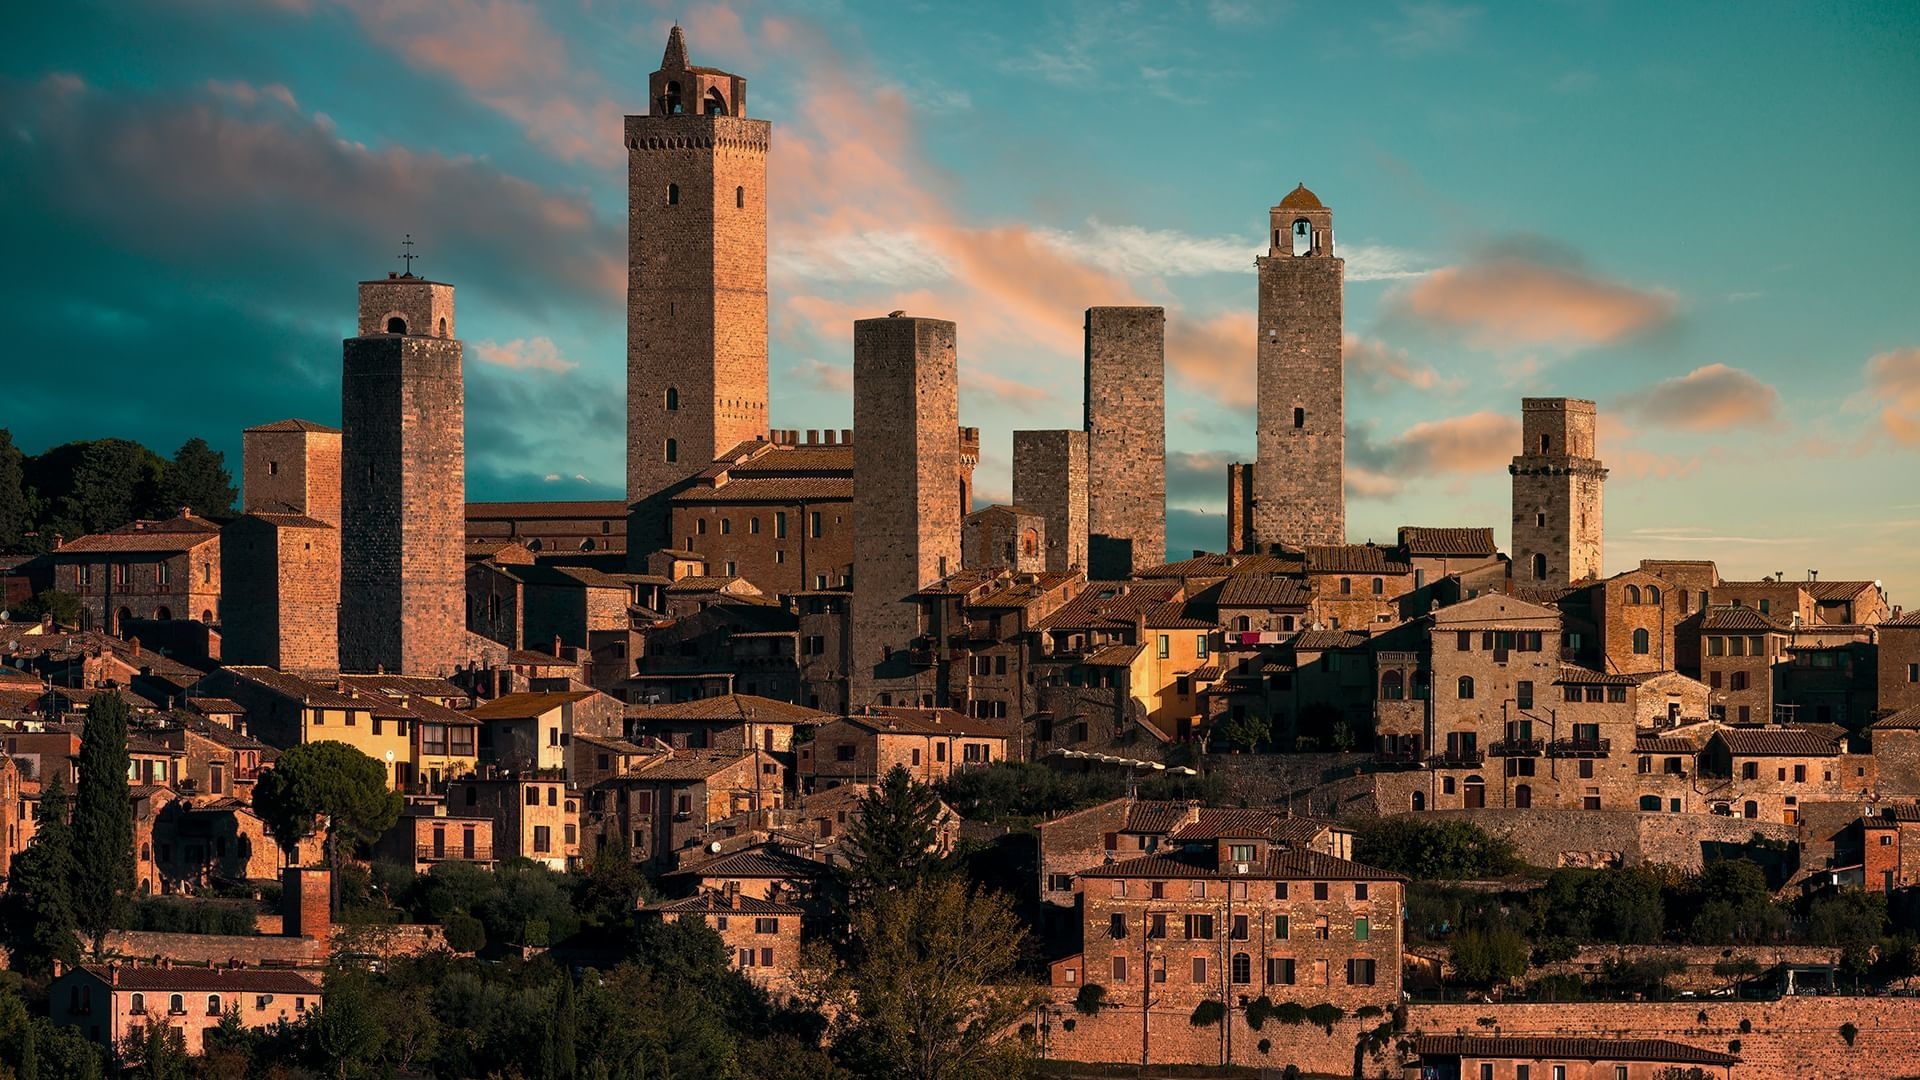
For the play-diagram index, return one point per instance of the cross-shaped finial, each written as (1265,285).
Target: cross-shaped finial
(408,256)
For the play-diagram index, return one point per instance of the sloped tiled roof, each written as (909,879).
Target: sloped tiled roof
(587,508)
(1174,615)
(210,980)
(172,536)
(1264,591)
(1281,865)
(1904,720)
(1663,744)
(709,903)
(1423,540)
(1201,566)
(741,707)
(526,706)
(1549,1048)
(1778,742)
(690,764)
(410,685)
(774,489)
(1321,640)
(296,425)
(1737,618)
(1570,673)
(1157,817)
(1355,559)
(1111,604)
(763,861)
(297,688)
(899,720)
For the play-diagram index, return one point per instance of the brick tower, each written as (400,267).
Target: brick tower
(403,478)
(696,283)
(906,516)
(1557,480)
(1126,440)
(291,467)
(1050,478)
(1298,477)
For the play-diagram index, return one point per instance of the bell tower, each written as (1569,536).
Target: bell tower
(1299,475)
(696,283)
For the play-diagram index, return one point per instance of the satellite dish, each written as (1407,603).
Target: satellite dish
(389,757)
(714,847)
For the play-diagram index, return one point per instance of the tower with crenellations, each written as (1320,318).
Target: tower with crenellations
(402,482)
(1557,489)
(1298,494)
(696,283)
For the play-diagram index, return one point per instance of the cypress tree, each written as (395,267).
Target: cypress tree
(103,820)
(43,877)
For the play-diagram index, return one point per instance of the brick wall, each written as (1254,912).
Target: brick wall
(1050,478)
(1299,496)
(1126,412)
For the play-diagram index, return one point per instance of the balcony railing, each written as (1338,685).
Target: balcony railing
(454,852)
(1401,758)
(1457,759)
(1517,748)
(1580,747)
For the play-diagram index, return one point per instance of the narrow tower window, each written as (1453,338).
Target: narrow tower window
(1303,237)
(740,197)
(673,99)
(673,194)
(1539,567)
(1546,443)
(673,450)
(1299,418)
(396,325)
(443,327)
(716,105)
(673,399)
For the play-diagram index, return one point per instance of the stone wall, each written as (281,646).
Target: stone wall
(1050,478)
(291,467)
(1551,838)
(283,603)
(1126,440)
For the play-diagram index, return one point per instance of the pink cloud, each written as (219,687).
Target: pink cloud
(523,354)
(1710,398)
(1893,380)
(1512,301)
(999,390)
(1214,356)
(818,375)
(1480,442)
(1384,367)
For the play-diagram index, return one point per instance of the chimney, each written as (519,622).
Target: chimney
(59,541)
(135,642)
(846,436)
(186,511)
(556,646)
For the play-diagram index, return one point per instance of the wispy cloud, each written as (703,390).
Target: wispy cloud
(987,388)
(1715,397)
(1384,367)
(523,354)
(1474,443)
(1893,381)
(1426,27)
(832,378)
(1516,299)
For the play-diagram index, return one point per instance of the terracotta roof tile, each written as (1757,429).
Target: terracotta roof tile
(753,862)
(526,706)
(1570,673)
(589,508)
(741,707)
(297,688)
(1422,540)
(211,980)
(296,425)
(714,904)
(1355,559)
(1548,1048)
(1264,591)
(1904,720)
(1738,618)
(1281,865)
(1778,742)
(910,721)
(772,489)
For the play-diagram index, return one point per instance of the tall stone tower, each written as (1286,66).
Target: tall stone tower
(1557,482)
(696,283)
(1050,478)
(403,481)
(1126,440)
(291,467)
(1298,476)
(906,517)
(280,561)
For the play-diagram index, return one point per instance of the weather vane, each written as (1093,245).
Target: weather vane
(408,256)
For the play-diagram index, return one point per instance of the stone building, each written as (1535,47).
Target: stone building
(535,816)
(1738,647)
(562,527)
(762,937)
(1557,478)
(283,592)
(1297,482)
(696,281)
(112,1003)
(291,467)
(403,470)
(1004,537)
(1899,663)
(1890,848)
(725,722)
(677,800)
(1050,478)
(157,570)
(1773,773)
(1636,615)
(1126,421)
(906,516)
(1357,586)
(931,744)
(1561,1058)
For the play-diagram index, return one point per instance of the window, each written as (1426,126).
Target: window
(1299,418)
(1360,890)
(542,839)
(673,194)
(1392,688)
(1239,852)
(1280,971)
(766,925)
(139,1004)
(1321,930)
(740,197)
(1642,642)
(1199,928)
(1242,969)
(673,399)
(726,526)
(1163,646)
(1319,890)
(1119,969)
(1200,647)
(1117,925)
(1379,587)
(1157,924)
(1913,672)
(213,1004)
(1199,970)
(1280,927)
(533,796)
(1799,774)
(673,451)
(1360,972)
(177,1005)
(1360,929)
(1346,586)
(813,524)
(1240,929)
(1466,688)
(1523,694)
(1463,641)
(1540,559)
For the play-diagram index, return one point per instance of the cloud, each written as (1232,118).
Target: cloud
(1137,251)
(523,354)
(1711,398)
(1215,356)
(1515,299)
(1197,479)
(815,375)
(985,387)
(1384,367)
(1426,27)
(1893,381)
(1476,443)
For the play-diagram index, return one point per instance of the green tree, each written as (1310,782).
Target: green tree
(1434,850)
(347,1033)
(1729,902)
(103,820)
(14,511)
(893,840)
(328,780)
(935,985)
(91,487)
(40,921)
(1245,732)
(63,606)
(197,479)
(158,1053)
(1489,957)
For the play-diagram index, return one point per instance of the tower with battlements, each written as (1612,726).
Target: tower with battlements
(1557,481)
(1299,474)
(696,283)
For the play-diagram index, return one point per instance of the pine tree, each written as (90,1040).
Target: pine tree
(894,839)
(103,820)
(197,479)
(41,913)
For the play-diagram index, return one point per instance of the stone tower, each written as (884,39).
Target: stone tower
(906,513)
(1557,480)
(1298,476)
(291,467)
(403,479)
(696,283)
(1050,478)
(282,604)
(1126,423)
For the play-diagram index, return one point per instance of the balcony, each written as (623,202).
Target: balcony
(1397,759)
(1578,748)
(453,853)
(1518,748)
(1457,759)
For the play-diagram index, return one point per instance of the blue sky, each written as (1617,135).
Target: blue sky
(1699,215)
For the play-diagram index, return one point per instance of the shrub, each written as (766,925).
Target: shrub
(1090,998)
(465,933)
(1427,850)
(1207,1012)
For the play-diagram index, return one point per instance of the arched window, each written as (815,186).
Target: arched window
(1030,542)
(1299,418)
(674,107)
(673,194)
(1653,594)
(207,616)
(1539,567)
(1466,688)
(1302,237)
(1392,686)
(177,1004)
(1419,801)
(213,1004)
(1286,622)
(1649,803)
(1546,443)
(673,399)
(673,450)
(146,853)
(533,544)
(1242,969)
(1346,586)
(1642,642)
(1379,587)
(1243,623)
(715,104)
(1633,594)
(740,197)
(443,326)
(396,325)
(163,613)
(120,620)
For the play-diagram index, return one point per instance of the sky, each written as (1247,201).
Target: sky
(1700,216)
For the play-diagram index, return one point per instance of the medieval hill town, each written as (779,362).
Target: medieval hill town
(805,759)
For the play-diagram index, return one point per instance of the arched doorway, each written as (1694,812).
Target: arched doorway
(1474,796)
(162,613)
(1523,796)
(1419,801)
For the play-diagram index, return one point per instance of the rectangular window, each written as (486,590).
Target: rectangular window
(1913,672)
(1240,853)
(1279,890)
(542,839)
(1240,928)
(766,926)
(1117,925)
(1199,928)
(1319,890)
(1157,924)
(1163,647)
(1463,641)
(780,524)
(1360,972)
(1523,692)
(1280,971)
(1799,774)
(1280,927)
(1199,970)
(1200,646)
(1119,969)
(1360,890)
(1360,929)
(813,524)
